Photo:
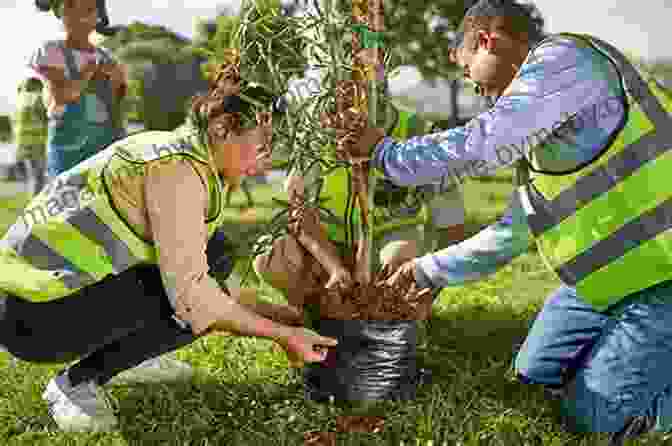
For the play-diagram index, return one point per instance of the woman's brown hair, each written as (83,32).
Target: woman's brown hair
(214,109)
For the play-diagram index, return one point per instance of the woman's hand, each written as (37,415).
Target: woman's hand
(280,313)
(303,345)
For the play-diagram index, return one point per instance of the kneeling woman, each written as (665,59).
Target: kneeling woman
(109,263)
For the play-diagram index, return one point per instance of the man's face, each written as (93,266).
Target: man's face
(486,59)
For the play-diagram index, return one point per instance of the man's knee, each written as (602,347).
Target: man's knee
(589,408)
(398,252)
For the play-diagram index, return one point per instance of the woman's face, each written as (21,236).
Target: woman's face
(80,16)
(239,153)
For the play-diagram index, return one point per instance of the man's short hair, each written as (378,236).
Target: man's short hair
(519,20)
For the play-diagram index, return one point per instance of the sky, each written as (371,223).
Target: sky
(640,27)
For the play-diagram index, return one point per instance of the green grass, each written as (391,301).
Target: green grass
(244,394)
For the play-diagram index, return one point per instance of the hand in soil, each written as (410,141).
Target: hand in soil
(303,345)
(400,276)
(396,253)
(387,298)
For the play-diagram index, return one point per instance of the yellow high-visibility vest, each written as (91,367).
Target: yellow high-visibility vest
(71,235)
(605,227)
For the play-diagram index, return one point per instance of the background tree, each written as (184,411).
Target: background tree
(420,31)
(159,60)
(261,31)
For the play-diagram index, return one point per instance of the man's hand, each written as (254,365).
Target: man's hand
(303,345)
(399,276)
(398,252)
(362,150)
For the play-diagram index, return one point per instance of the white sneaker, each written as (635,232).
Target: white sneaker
(154,371)
(78,408)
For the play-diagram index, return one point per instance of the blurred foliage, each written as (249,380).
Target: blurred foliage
(270,43)
(142,41)
(142,47)
(5,128)
(260,31)
(418,31)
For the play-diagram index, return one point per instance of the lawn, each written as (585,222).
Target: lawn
(244,394)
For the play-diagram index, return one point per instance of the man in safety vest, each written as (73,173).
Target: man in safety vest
(30,133)
(112,262)
(591,137)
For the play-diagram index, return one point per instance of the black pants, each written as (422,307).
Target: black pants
(113,325)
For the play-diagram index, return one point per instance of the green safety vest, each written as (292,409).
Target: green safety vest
(30,118)
(71,235)
(335,190)
(604,228)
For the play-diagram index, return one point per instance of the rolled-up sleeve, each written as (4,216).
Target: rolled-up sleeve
(177,200)
(479,256)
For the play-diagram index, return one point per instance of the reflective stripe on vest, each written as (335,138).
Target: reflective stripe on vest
(71,235)
(604,229)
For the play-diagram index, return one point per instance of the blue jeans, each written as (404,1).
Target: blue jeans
(613,365)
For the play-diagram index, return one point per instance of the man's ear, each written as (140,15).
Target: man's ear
(486,40)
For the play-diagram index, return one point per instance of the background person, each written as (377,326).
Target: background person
(30,133)
(84,88)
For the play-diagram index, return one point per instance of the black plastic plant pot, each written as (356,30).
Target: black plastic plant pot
(373,361)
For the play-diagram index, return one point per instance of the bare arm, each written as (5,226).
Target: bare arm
(176,201)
